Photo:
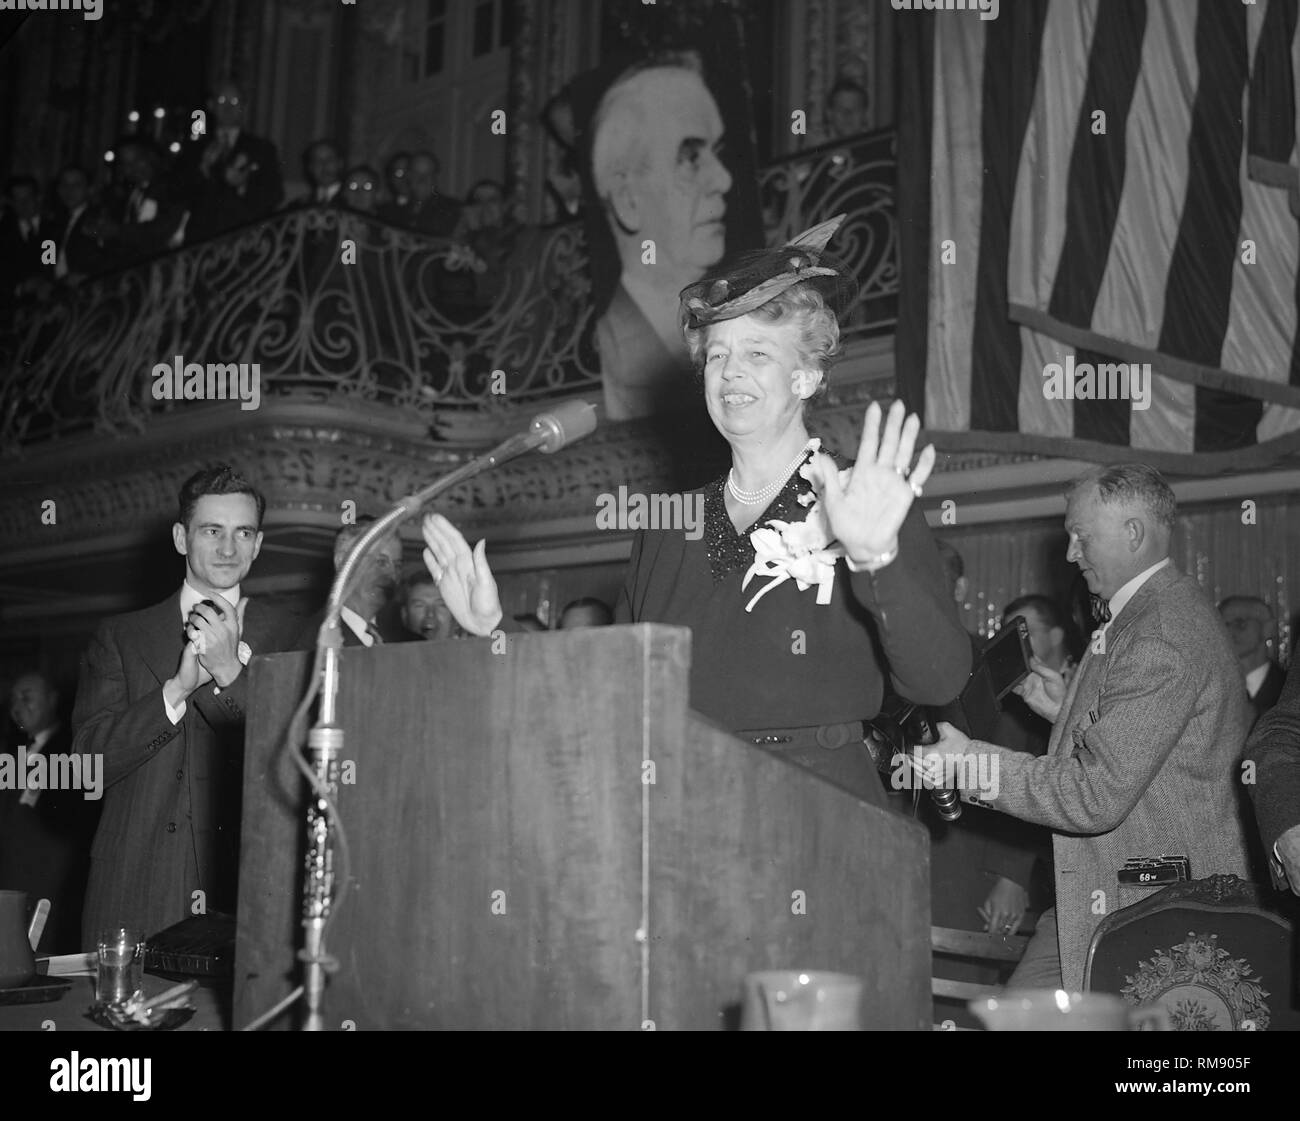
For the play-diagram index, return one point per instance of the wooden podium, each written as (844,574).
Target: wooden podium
(545,836)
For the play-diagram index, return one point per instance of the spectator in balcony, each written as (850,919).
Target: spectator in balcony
(361,189)
(425,211)
(1250,626)
(489,228)
(141,217)
(846,109)
(395,175)
(363,610)
(228,176)
(585,612)
(23,229)
(79,254)
(322,167)
(564,186)
(656,135)
(45,835)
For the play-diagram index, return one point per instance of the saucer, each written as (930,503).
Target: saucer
(38,990)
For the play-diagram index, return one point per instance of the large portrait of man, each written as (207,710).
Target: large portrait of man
(657,168)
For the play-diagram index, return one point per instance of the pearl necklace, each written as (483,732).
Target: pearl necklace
(769,492)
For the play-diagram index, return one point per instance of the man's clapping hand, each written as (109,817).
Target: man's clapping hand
(214,631)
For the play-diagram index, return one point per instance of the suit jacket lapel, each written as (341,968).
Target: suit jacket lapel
(1083,690)
(162,634)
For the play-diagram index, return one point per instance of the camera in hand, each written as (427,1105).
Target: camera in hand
(999,667)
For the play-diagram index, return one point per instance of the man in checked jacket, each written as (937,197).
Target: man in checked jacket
(1146,742)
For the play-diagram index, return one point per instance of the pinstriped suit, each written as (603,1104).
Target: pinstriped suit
(1142,761)
(172,791)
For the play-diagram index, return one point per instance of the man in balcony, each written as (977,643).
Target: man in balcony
(22,230)
(162,698)
(425,210)
(227,175)
(141,218)
(656,135)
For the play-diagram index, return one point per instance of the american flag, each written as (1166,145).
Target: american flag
(1090,189)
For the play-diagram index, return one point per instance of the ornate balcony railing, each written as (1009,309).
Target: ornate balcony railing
(335,307)
(855,178)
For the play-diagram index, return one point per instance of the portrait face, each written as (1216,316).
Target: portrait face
(1101,542)
(422,178)
(227,106)
(754,382)
(847,114)
(426,613)
(1245,628)
(324,165)
(72,189)
(361,191)
(220,543)
(33,703)
(675,194)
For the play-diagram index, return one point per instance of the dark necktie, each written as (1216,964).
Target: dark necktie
(374,634)
(1100,610)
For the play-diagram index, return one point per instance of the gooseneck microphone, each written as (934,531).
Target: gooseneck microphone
(548,432)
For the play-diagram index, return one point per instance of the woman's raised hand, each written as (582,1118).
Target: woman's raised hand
(865,509)
(462,575)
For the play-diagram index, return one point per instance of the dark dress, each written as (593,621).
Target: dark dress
(792,663)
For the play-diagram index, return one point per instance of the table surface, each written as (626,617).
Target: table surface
(68,1013)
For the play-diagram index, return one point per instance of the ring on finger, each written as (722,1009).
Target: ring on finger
(916,489)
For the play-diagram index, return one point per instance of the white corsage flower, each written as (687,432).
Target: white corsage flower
(798,551)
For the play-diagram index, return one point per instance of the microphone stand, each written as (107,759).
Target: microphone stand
(326,740)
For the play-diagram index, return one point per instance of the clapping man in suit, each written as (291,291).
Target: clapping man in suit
(162,697)
(1146,738)
(229,175)
(1274,751)
(372,590)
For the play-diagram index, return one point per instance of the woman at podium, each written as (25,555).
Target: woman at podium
(815,578)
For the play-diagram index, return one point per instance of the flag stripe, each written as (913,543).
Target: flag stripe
(955,218)
(1198,288)
(1095,204)
(1038,215)
(1011,59)
(1271,113)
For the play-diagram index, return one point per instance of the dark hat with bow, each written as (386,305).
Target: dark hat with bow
(752,279)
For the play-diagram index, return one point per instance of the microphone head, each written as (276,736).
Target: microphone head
(566,423)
